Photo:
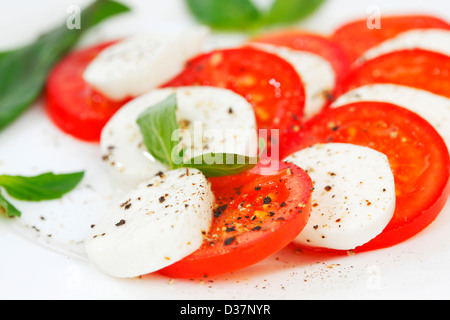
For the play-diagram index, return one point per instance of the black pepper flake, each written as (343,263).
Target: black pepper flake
(219,211)
(257,228)
(120,223)
(229,241)
(128,206)
(229,229)
(258,188)
(327,188)
(267,200)
(335,128)
(160,174)
(125,203)
(162,199)
(283,204)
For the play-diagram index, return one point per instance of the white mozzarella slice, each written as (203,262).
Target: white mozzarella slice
(213,120)
(437,40)
(156,224)
(353,198)
(432,107)
(140,63)
(317,74)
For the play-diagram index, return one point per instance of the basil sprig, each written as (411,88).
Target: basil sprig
(158,124)
(244,15)
(228,14)
(290,11)
(47,186)
(159,127)
(23,71)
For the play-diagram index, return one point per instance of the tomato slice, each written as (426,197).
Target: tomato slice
(313,43)
(72,104)
(414,68)
(256,216)
(268,82)
(417,154)
(356,37)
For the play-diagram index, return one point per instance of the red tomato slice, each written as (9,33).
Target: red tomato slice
(72,104)
(417,154)
(255,217)
(356,37)
(313,43)
(415,68)
(267,81)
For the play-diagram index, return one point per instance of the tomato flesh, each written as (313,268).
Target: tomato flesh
(417,155)
(356,37)
(268,82)
(256,216)
(419,69)
(72,104)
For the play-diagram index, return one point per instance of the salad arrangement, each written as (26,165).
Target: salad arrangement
(334,144)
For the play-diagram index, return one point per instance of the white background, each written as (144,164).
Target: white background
(34,266)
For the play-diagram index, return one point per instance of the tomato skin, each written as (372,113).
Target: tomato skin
(417,68)
(313,43)
(268,82)
(355,37)
(260,239)
(417,154)
(72,104)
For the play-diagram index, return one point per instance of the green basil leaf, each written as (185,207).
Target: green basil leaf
(23,71)
(221,164)
(290,11)
(159,128)
(224,14)
(47,186)
(224,164)
(7,208)
(158,123)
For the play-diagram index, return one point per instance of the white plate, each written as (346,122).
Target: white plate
(42,255)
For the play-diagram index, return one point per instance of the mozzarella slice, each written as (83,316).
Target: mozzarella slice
(212,120)
(437,40)
(318,76)
(156,224)
(140,63)
(433,108)
(353,198)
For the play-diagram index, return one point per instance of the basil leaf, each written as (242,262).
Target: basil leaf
(7,208)
(224,164)
(159,128)
(47,186)
(23,71)
(224,14)
(221,164)
(289,11)
(157,125)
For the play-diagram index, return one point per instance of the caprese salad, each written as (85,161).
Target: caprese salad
(355,154)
